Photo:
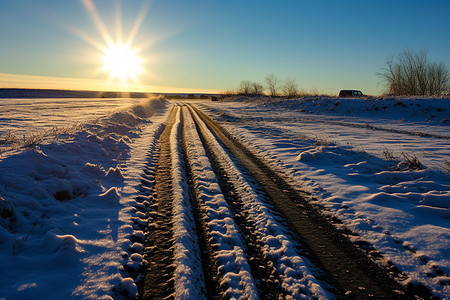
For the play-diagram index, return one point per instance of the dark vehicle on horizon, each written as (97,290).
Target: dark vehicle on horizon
(350,93)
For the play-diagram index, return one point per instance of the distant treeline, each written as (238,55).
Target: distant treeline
(407,74)
(273,87)
(50,93)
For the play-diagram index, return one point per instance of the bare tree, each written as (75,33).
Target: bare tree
(439,82)
(250,88)
(272,84)
(290,88)
(245,87)
(411,74)
(256,89)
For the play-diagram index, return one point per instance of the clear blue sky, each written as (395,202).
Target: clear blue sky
(213,45)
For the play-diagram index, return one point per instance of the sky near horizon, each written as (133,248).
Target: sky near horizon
(213,45)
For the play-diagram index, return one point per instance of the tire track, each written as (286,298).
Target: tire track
(225,251)
(268,282)
(357,276)
(279,271)
(158,280)
(214,233)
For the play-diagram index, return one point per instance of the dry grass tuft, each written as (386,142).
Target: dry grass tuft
(409,163)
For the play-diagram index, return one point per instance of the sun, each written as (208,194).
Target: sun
(122,62)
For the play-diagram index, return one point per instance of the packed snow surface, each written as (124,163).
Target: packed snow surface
(66,203)
(295,277)
(19,116)
(70,169)
(379,165)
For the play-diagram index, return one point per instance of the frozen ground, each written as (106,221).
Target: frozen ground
(23,119)
(67,197)
(66,204)
(353,154)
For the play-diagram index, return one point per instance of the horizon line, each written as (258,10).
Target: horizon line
(23,81)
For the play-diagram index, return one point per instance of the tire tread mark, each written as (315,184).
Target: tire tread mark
(158,282)
(268,281)
(355,274)
(209,264)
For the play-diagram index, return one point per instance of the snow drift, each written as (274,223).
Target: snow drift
(63,230)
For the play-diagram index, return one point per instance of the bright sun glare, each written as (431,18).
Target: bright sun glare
(119,59)
(122,62)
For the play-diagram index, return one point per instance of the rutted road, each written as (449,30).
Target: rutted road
(221,224)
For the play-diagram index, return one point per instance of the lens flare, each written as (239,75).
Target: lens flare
(119,59)
(122,62)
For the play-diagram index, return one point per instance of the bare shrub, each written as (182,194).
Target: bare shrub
(250,88)
(7,218)
(32,140)
(34,137)
(290,88)
(409,163)
(389,155)
(228,93)
(256,89)
(244,88)
(272,85)
(8,138)
(411,74)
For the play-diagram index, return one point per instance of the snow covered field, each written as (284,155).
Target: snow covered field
(66,204)
(25,121)
(67,199)
(353,154)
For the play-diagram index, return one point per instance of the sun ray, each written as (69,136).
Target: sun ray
(48,14)
(84,36)
(119,59)
(138,22)
(118,21)
(119,55)
(90,7)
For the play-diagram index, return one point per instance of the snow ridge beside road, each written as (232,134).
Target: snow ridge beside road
(358,174)
(65,208)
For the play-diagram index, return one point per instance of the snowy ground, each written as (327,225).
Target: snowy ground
(67,195)
(66,204)
(27,121)
(352,154)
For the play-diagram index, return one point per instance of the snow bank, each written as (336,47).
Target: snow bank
(64,221)
(329,147)
(432,110)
